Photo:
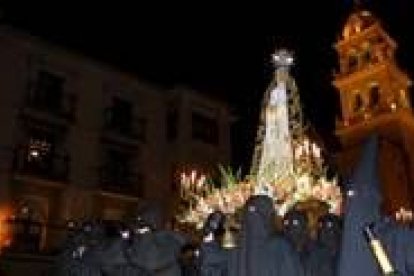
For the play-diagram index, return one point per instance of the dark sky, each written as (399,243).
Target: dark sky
(224,50)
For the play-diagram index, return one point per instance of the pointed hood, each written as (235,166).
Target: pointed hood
(362,207)
(257,228)
(365,176)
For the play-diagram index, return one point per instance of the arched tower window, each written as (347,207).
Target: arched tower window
(374,96)
(358,103)
(352,61)
(366,53)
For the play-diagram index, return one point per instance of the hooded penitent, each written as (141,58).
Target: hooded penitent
(156,250)
(74,258)
(213,260)
(362,206)
(323,256)
(261,251)
(295,229)
(398,241)
(113,254)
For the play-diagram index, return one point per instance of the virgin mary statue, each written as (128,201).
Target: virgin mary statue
(280,121)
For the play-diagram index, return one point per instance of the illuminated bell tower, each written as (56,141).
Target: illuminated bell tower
(374,97)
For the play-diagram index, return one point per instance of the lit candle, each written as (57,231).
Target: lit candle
(298,152)
(193,176)
(306,145)
(200,182)
(193,181)
(316,151)
(182,184)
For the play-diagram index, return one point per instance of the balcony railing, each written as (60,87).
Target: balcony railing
(62,108)
(134,130)
(128,183)
(50,167)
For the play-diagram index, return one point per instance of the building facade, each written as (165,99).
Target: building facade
(375,97)
(81,139)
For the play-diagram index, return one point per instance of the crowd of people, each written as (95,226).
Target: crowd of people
(339,247)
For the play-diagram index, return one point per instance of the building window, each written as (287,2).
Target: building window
(367,57)
(27,231)
(41,156)
(119,116)
(117,175)
(39,150)
(117,167)
(204,128)
(374,96)
(353,63)
(48,91)
(367,53)
(172,124)
(358,103)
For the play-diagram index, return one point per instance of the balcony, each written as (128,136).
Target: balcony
(126,132)
(134,131)
(115,181)
(52,166)
(361,117)
(61,111)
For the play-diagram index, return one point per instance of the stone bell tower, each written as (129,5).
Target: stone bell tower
(374,97)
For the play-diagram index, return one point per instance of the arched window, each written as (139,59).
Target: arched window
(353,61)
(374,96)
(358,103)
(367,53)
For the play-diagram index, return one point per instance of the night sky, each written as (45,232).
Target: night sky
(222,50)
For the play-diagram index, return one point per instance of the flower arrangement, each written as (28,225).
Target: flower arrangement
(307,181)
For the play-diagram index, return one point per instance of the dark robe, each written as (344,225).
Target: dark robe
(362,207)
(112,256)
(261,251)
(73,259)
(213,259)
(189,260)
(322,259)
(158,252)
(398,242)
(295,229)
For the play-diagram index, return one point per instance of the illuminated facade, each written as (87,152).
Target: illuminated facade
(375,96)
(80,139)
